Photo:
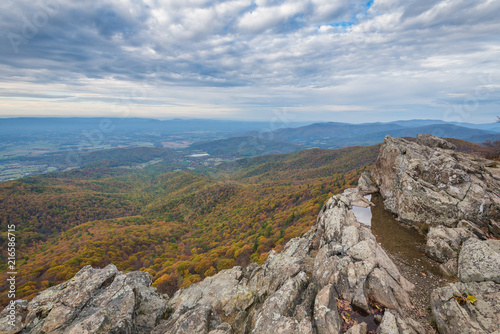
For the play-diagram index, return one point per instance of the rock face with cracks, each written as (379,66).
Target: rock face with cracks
(295,291)
(303,289)
(458,196)
(94,301)
(428,182)
(473,304)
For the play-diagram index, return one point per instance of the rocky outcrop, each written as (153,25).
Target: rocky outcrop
(455,313)
(443,246)
(336,268)
(428,182)
(473,304)
(296,291)
(94,301)
(479,261)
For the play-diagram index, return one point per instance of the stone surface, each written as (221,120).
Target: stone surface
(388,324)
(96,301)
(472,228)
(479,274)
(14,312)
(295,291)
(393,323)
(436,186)
(361,328)
(326,316)
(366,185)
(199,320)
(480,317)
(479,261)
(338,261)
(444,244)
(433,141)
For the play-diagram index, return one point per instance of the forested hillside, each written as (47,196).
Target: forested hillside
(179,226)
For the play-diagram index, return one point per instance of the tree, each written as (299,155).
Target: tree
(225,264)
(494,147)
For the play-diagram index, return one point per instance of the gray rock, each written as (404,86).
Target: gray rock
(361,328)
(450,267)
(366,185)
(11,317)
(481,317)
(223,328)
(278,313)
(494,227)
(386,291)
(97,301)
(472,228)
(479,261)
(428,184)
(326,316)
(219,291)
(444,243)
(388,324)
(393,323)
(433,141)
(199,320)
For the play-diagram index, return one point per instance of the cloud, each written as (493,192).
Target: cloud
(250,56)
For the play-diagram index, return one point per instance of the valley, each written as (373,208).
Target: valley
(185,214)
(30,146)
(180,226)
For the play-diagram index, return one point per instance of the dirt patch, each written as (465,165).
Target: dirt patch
(405,247)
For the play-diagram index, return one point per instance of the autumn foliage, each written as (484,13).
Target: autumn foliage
(180,227)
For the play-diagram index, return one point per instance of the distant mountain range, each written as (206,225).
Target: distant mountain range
(35,125)
(233,139)
(336,135)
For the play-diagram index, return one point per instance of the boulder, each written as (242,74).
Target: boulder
(366,185)
(326,316)
(427,182)
(455,313)
(443,246)
(361,328)
(279,312)
(479,261)
(435,142)
(392,323)
(96,301)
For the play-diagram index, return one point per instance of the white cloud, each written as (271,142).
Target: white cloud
(263,18)
(251,56)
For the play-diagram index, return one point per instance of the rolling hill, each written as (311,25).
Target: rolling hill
(244,147)
(179,226)
(337,135)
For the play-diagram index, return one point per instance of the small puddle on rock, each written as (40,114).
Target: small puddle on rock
(363,215)
(404,242)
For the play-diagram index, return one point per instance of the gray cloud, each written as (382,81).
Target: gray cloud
(252,56)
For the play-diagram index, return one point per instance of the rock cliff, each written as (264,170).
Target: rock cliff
(458,195)
(428,182)
(334,279)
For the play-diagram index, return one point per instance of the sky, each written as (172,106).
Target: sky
(302,60)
